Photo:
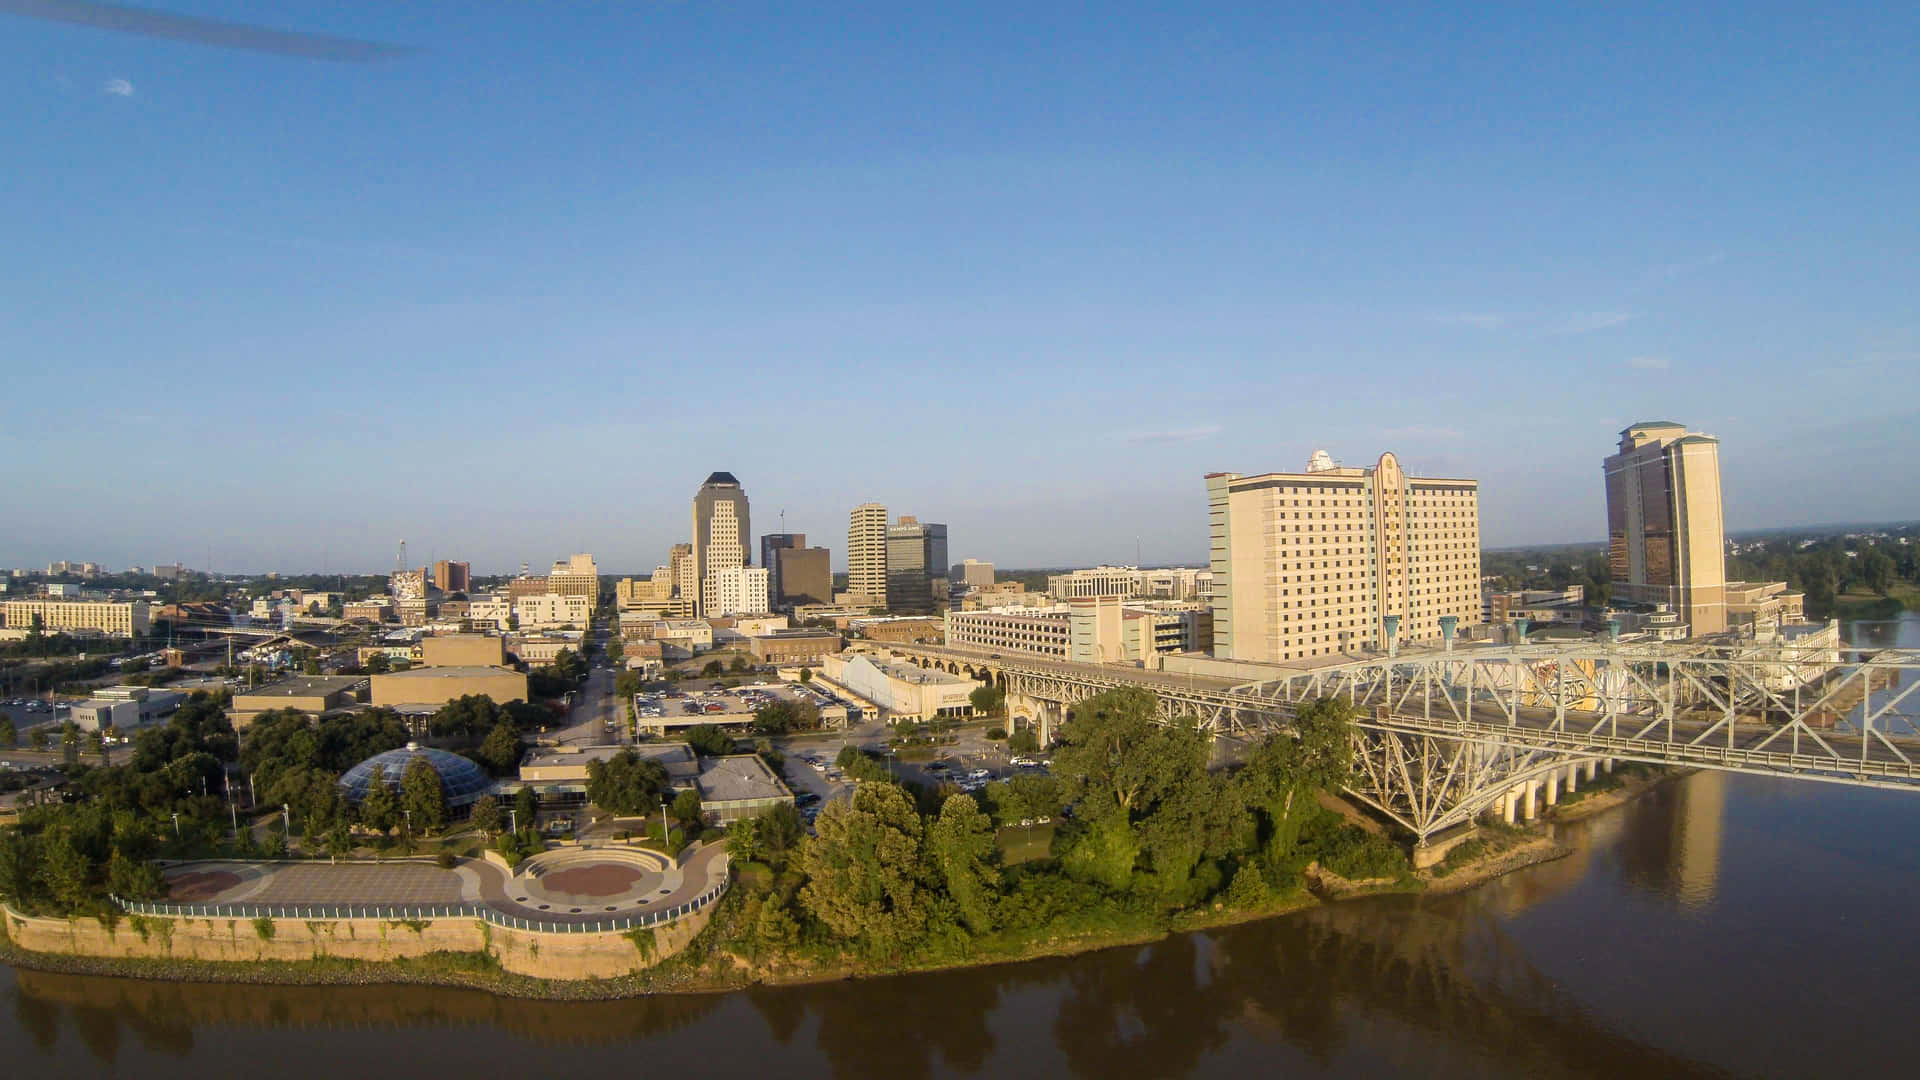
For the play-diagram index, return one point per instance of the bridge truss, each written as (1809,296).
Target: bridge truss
(1444,736)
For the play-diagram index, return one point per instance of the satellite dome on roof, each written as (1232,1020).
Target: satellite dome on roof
(461,781)
(1321,461)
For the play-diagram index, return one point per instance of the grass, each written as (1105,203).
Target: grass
(1019,844)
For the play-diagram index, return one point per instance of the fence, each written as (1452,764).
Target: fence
(421,912)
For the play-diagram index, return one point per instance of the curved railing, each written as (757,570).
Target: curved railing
(412,912)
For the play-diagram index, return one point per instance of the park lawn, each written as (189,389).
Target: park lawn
(1019,844)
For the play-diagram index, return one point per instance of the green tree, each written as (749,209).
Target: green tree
(1286,769)
(686,808)
(709,740)
(422,795)
(70,742)
(486,815)
(783,717)
(501,751)
(743,840)
(776,926)
(987,700)
(806,675)
(9,735)
(866,880)
(38,738)
(739,664)
(380,808)
(1876,569)
(378,664)
(65,869)
(627,784)
(1120,763)
(1023,741)
(526,807)
(960,848)
(713,668)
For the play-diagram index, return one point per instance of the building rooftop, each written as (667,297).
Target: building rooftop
(306,686)
(722,478)
(738,777)
(913,673)
(675,757)
(467,672)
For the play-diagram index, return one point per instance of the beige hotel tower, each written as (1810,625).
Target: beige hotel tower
(1666,542)
(1335,560)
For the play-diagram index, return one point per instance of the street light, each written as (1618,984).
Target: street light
(176,824)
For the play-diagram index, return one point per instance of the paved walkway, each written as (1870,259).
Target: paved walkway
(407,882)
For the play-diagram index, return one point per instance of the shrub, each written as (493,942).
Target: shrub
(996,733)
(446,860)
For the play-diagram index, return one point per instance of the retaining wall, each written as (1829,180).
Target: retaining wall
(523,952)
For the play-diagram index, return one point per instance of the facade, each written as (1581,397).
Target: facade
(1753,607)
(686,580)
(901,689)
(1666,542)
(439,685)
(867,555)
(1006,594)
(736,591)
(528,586)
(109,617)
(1121,581)
(770,547)
(539,651)
(489,612)
(805,576)
(803,646)
(553,611)
(972,573)
(1177,583)
(408,584)
(376,610)
(899,629)
(1094,630)
(916,566)
(1540,607)
(452,576)
(578,576)
(1334,560)
(722,531)
(462,650)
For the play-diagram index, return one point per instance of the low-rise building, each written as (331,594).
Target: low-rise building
(737,786)
(1091,630)
(314,694)
(124,708)
(378,609)
(439,685)
(803,646)
(490,612)
(1754,606)
(899,629)
(901,689)
(1540,607)
(542,650)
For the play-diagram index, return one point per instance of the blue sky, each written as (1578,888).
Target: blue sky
(1029,269)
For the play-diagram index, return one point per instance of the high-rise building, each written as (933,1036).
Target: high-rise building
(1666,542)
(867,555)
(972,573)
(722,530)
(916,566)
(770,545)
(452,576)
(577,576)
(686,579)
(1334,560)
(805,575)
(737,590)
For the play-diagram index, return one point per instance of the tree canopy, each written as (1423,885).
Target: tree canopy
(627,784)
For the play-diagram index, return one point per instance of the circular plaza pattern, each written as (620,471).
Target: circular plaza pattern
(577,881)
(198,885)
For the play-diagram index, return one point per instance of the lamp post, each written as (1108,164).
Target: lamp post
(408,814)
(176,825)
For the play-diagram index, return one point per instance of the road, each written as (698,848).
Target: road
(594,706)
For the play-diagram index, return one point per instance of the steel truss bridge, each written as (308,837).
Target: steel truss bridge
(1443,737)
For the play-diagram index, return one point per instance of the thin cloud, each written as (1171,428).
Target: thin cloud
(117,87)
(1476,319)
(1173,435)
(1591,321)
(1648,363)
(117,18)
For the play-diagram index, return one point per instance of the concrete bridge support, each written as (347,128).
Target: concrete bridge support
(1573,778)
(1531,800)
(1553,787)
(1593,769)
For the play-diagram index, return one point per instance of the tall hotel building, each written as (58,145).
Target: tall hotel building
(1666,543)
(1334,560)
(867,554)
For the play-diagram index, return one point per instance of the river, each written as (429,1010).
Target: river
(1719,926)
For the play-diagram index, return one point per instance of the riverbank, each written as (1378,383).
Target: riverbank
(706,965)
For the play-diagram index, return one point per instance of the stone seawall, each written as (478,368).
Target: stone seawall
(522,952)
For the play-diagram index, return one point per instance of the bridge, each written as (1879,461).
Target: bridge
(1444,736)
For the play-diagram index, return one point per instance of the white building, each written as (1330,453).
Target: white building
(1095,630)
(542,611)
(489,612)
(741,590)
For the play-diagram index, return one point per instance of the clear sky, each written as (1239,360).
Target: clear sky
(1029,269)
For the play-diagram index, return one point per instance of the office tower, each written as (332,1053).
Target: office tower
(686,579)
(805,575)
(1666,543)
(770,545)
(452,576)
(722,529)
(578,576)
(916,566)
(867,555)
(737,590)
(1335,560)
(973,573)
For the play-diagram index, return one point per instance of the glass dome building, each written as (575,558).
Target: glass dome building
(461,781)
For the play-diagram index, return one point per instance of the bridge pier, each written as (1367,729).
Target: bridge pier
(1532,799)
(1607,764)
(1553,787)
(1573,778)
(1593,769)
